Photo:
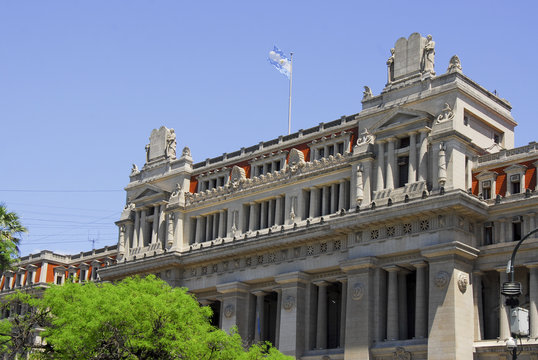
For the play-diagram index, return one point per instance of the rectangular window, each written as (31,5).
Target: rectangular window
(403,171)
(213,183)
(277,165)
(260,170)
(82,275)
(340,148)
(29,278)
(58,280)
(515,184)
(321,153)
(269,168)
(488,234)
(486,189)
(221,180)
(331,150)
(516,231)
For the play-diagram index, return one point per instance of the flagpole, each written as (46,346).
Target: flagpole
(289,102)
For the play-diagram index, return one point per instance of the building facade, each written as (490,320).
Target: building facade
(381,235)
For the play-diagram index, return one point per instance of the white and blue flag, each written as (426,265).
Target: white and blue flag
(279,60)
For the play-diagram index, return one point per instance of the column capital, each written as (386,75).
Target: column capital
(424,130)
(342,279)
(419,264)
(390,139)
(292,277)
(235,286)
(531,265)
(380,141)
(391,268)
(258,293)
(479,272)
(412,132)
(320,283)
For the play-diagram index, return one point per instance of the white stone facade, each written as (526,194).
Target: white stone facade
(367,237)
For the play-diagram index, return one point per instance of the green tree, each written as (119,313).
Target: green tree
(136,318)
(10,227)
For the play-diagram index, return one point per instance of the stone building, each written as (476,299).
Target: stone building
(381,235)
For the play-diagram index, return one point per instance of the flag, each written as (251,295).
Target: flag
(279,60)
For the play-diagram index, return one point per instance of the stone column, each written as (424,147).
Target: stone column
(367,181)
(253,217)
(136,234)
(162,225)
(292,318)
(421,300)
(215,227)
(478,311)
(129,234)
(380,185)
(504,325)
(391,165)
(314,200)
(393,329)
(263,216)
(325,200)
(502,231)
(422,159)
(278,314)
(259,334)
(222,223)
(402,304)
(412,174)
(334,198)
(278,211)
(200,227)
(143,224)
(271,220)
(155,230)
(341,195)
(343,313)
(208,227)
(469,183)
(321,328)
(533,300)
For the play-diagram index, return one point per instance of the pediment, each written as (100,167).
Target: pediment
(148,193)
(485,175)
(402,119)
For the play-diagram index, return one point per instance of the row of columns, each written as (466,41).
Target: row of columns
(266,213)
(141,237)
(386,173)
(209,227)
(503,227)
(397,302)
(327,199)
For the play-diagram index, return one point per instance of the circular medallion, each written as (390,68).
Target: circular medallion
(441,279)
(462,282)
(288,303)
(229,311)
(358,291)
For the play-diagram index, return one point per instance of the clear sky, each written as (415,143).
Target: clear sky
(83,83)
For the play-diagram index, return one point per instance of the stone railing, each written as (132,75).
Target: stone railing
(503,154)
(262,181)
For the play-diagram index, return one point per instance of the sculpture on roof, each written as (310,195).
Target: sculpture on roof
(390,66)
(446,114)
(171,144)
(428,56)
(454,64)
(134,170)
(367,93)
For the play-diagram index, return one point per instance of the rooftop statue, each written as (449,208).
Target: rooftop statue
(428,55)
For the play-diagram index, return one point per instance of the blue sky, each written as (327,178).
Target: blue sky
(83,83)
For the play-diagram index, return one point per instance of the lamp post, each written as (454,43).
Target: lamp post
(512,289)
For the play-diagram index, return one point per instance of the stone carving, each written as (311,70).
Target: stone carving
(162,144)
(441,174)
(229,311)
(296,158)
(462,282)
(401,354)
(445,115)
(441,279)
(134,170)
(186,152)
(292,208)
(360,192)
(428,55)
(390,66)
(367,93)
(288,303)
(177,190)
(171,144)
(238,174)
(365,137)
(358,291)
(454,64)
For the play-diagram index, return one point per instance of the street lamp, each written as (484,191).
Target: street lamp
(512,289)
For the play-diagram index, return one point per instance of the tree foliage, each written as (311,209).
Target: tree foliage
(10,227)
(136,318)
